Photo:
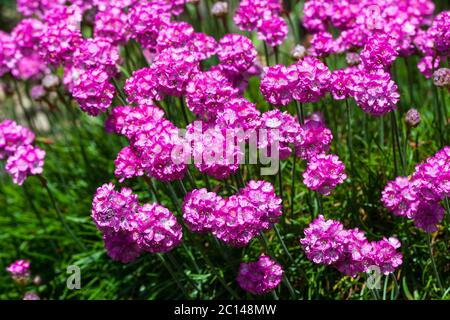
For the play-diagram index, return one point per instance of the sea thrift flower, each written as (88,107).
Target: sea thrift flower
(12,137)
(412,118)
(120,246)
(173,69)
(250,12)
(19,270)
(400,198)
(208,92)
(276,86)
(202,46)
(61,35)
(37,7)
(112,24)
(237,221)
(327,242)
(278,130)
(114,210)
(161,150)
(236,53)
(262,195)
(342,82)
(428,216)
(322,44)
(7,51)
(27,160)
(272,29)
(239,113)
(440,32)
(377,94)
(146,19)
(142,87)
(310,79)
(37,92)
(216,151)
(352,58)
(198,209)
(313,139)
(324,173)
(157,229)
(260,277)
(175,35)
(127,165)
(139,117)
(93,91)
(97,53)
(379,52)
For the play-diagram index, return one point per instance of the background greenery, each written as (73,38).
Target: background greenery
(80,158)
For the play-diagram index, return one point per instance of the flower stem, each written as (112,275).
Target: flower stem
(433,263)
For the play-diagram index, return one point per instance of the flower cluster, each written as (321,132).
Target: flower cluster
(263,16)
(418,196)
(323,173)
(129,228)
(260,277)
(327,242)
(305,81)
(236,53)
(237,219)
(19,270)
(23,159)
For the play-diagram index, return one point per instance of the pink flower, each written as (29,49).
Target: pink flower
(27,160)
(260,277)
(236,53)
(157,229)
(120,246)
(276,86)
(323,173)
(12,137)
(127,165)
(19,270)
(112,24)
(313,139)
(198,210)
(272,29)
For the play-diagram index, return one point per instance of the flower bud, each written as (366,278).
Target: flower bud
(298,52)
(412,118)
(441,77)
(219,9)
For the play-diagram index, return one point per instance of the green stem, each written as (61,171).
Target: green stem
(433,263)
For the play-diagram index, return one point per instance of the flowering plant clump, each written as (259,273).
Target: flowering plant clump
(223,148)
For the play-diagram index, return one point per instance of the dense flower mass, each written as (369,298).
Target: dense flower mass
(236,53)
(418,197)
(260,277)
(112,24)
(323,173)
(27,160)
(12,137)
(120,246)
(276,86)
(313,138)
(328,242)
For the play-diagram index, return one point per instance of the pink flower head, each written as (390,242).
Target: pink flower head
(440,32)
(342,82)
(400,198)
(37,7)
(324,173)
(146,19)
(114,210)
(97,53)
(278,130)
(313,139)
(384,255)
(7,52)
(161,150)
(272,29)
(322,44)
(428,216)
(239,113)
(127,165)
(427,65)
(176,34)
(379,52)
(12,137)
(208,93)
(173,69)
(212,150)
(27,160)
(198,210)
(142,87)
(112,24)
(236,53)
(202,46)
(310,79)
(276,86)
(94,92)
(377,93)
(120,246)
(19,270)
(116,120)
(249,13)
(157,229)
(260,277)
(138,118)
